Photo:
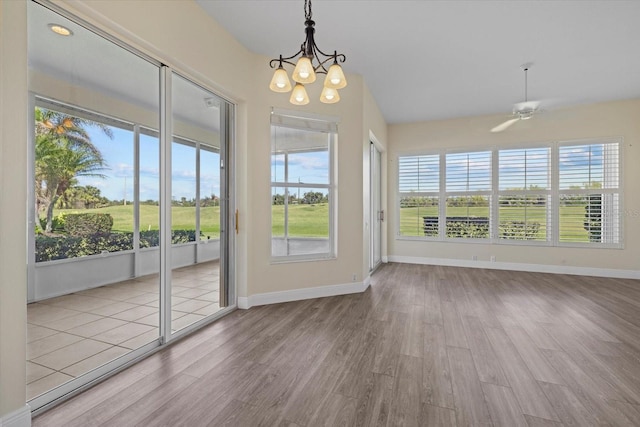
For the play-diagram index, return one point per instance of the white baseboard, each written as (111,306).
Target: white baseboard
(385,259)
(517,266)
(19,418)
(367,281)
(302,294)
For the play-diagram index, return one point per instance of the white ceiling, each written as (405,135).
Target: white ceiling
(429,60)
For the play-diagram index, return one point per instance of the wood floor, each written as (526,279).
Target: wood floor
(424,346)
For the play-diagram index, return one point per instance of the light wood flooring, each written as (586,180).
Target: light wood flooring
(423,346)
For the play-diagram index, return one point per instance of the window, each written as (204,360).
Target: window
(419,187)
(589,193)
(560,194)
(85,170)
(302,187)
(468,195)
(524,194)
(84,182)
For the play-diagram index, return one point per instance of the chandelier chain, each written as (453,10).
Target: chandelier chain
(307,9)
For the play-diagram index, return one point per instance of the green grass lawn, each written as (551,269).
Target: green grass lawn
(313,220)
(304,220)
(182,218)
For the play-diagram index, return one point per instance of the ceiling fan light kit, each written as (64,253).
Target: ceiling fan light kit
(522,110)
(305,70)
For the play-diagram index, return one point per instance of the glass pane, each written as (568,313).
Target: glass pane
(590,166)
(468,216)
(419,216)
(149,189)
(589,218)
(469,171)
(195,211)
(523,217)
(305,152)
(419,173)
(209,194)
(278,196)
(310,167)
(84,185)
(277,167)
(183,193)
(91,96)
(524,169)
(300,221)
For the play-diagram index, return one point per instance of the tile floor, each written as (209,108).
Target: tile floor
(70,335)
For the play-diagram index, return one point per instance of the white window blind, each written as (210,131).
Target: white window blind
(468,195)
(469,172)
(524,194)
(558,194)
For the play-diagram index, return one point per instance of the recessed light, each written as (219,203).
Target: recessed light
(61,30)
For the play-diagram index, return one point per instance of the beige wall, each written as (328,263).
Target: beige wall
(611,119)
(264,276)
(199,48)
(13,196)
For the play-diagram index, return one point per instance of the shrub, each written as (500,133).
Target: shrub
(474,227)
(57,223)
(477,230)
(52,248)
(519,230)
(88,224)
(151,238)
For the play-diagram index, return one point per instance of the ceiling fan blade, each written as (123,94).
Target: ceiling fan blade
(503,126)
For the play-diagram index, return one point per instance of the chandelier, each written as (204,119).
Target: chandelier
(312,61)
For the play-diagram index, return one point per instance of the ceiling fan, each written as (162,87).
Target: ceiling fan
(522,110)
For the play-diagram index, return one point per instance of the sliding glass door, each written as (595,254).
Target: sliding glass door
(198,200)
(129,179)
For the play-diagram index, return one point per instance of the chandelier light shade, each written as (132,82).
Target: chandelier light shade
(310,62)
(280,81)
(299,95)
(335,78)
(303,73)
(329,95)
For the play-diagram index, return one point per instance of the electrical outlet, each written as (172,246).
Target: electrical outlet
(474,257)
(354,277)
(493,258)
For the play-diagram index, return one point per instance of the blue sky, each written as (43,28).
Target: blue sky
(118,153)
(305,167)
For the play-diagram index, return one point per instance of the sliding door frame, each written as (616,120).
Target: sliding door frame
(227,244)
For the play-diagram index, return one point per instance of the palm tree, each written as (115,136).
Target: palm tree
(63,152)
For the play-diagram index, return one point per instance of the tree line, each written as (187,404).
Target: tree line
(308,198)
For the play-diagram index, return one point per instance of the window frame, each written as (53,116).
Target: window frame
(619,190)
(550,225)
(312,123)
(553,194)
